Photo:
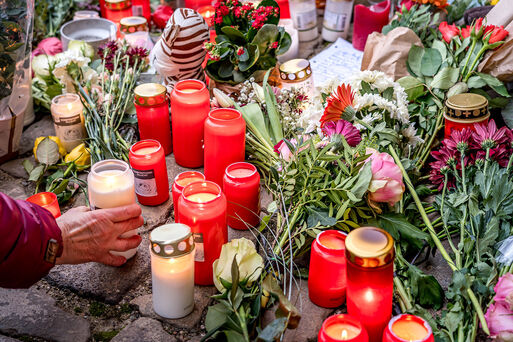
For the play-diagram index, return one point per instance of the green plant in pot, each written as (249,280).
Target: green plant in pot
(248,41)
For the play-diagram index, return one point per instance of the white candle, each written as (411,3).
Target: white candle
(67,113)
(111,184)
(172,270)
(293,51)
(304,15)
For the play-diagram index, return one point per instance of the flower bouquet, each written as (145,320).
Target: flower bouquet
(248,41)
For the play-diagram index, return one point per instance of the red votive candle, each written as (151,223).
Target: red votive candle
(203,208)
(225,142)
(181,181)
(115,10)
(342,328)
(327,280)
(150,172)
(465,111)
(368,20)
(207,12)
(47,200)
(284,9)
(141,8)
(241,185)
(153,114)
(408,328)
(370,277)
(196,4)
(190,104)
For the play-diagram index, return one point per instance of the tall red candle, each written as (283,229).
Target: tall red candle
(47,200)
(115,10)
(225,142)
(103,9)
(408,328)
(370,277)
(368,20)
(203,208)
(284,9)
(241,185)
(141,8)
(153,114)
(342,328)
(190,104)
(327,280)
(181,181)
(149,167)
(195,4)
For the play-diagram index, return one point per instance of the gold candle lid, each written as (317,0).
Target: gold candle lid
(295,70)
(370,247)
(133,24)
(150,94)
(466,106)
(171,240)
(118,4)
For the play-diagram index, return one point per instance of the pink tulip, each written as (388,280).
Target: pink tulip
(500,322)
(48,46)
(504,291)
(387,184)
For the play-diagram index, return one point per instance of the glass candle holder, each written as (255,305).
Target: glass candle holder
(85,15)
(408,328)
(111,184)
(370,277)
(150,172)
(141,8)
(181,181)
(190,104)
(225,142)
(115,10)
(368,20)
(153,114)
(172,270)
(68,119)
(47,200)
(241,185)
(465,111)
(337,17)
(327,279)
(284,9)
(203,208)
(297,73)
(342,328)
(207,12)
(304,15)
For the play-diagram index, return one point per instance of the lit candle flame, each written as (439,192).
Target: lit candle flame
(369,296)
(344,334)
(70,106)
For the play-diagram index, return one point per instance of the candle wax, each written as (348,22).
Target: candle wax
(146,150)
(188,90)
(186,181)
(240,173)
(332,242)
(201,197)
(342,331)
(409,330)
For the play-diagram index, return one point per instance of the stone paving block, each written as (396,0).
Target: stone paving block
(103,282)
(143,330)
(13,187)
(34,313)
(41,128)
(202,296)
(15,167)
(7,339)
(158,215)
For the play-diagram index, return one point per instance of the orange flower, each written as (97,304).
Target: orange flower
(337,103)
(437,3)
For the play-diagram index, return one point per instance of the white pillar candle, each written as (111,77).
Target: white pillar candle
(67,113)
(337,18)
(111,184)
(304,15)
(172,270)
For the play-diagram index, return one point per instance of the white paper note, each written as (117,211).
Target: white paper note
(340,61)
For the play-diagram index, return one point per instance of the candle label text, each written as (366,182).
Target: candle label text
(200,249)
(145,183)
(306,20)
(69,128)
(137,10)
(335,21)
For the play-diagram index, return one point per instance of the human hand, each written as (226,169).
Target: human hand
(90,235)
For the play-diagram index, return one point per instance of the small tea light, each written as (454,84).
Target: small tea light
(172,270)
(408,328)
(47,200)
(342,328)
(297,73)
(68,119)
(136,32)
(181,181)
(207,12)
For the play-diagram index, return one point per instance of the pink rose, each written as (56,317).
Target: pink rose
(283,149)
(504,291)
(48,46)
(500,322)
(387,184)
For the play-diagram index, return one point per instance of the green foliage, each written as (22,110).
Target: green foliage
(419,18)
(50,16)
(105,336)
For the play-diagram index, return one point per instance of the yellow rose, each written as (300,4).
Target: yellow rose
(249,261)
(62,150)
(494,2)
(80,156)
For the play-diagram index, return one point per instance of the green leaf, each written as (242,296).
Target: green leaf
(441,47)
(425,288)
(415,59)
(413,87)
(507,114)
(285,42)
(285,307)
(235,279)
(226,69)
(253,55)
(495,84)
(235,35)
(320,217)
(234,336)
(430,62)
(28,166)
(267,35)
(48,152)
(397,224)
(217,315)
(273,330)
(446,78)
(36,173)
(476,82)
(362,185)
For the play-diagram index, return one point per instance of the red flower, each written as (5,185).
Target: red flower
(488,136)
(459,140)
(448,31)
(408,4)
(240,51)
(465,32)
(274,45)
(337,104)
(498,34)
(161,16)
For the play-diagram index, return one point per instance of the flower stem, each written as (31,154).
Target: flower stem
(478,57)
(474,42)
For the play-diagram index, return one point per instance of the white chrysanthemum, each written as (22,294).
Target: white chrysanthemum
(368,119)
(410,132)
(309,119)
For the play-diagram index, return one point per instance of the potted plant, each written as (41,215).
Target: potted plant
(247,43)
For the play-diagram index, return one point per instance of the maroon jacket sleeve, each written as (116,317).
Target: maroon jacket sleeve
(28,236)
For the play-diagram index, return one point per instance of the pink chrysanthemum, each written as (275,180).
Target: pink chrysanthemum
(344,128)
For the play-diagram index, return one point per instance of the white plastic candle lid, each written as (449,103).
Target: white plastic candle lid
(172,240)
